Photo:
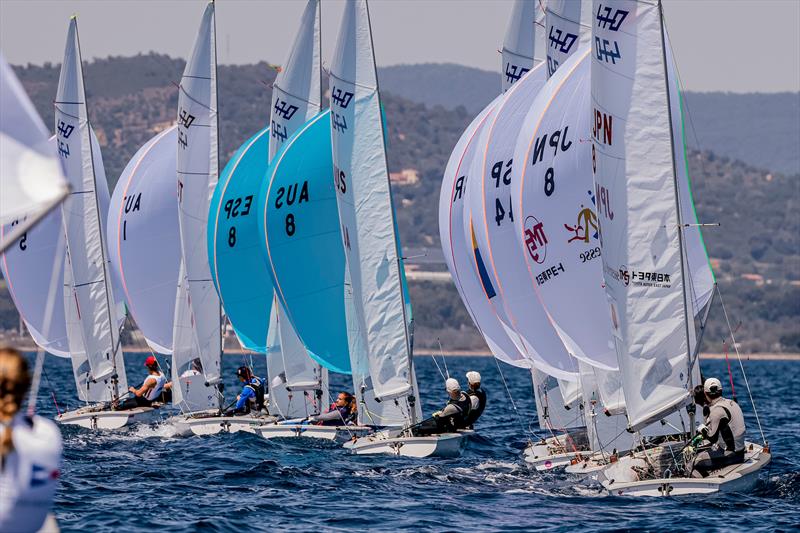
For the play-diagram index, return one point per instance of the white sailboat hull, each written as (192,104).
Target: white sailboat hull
(94,418)
(310,431)
(622,480)
(444,445)
(548,454)
(209,423)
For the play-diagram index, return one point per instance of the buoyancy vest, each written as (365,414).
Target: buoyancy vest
(476,412)
(464,406)
(155,392)
(257,386)
(729,421)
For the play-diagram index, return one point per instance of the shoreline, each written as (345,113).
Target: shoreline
(423,352)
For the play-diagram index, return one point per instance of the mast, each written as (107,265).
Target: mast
(686,314)
(114,344)
(412,398)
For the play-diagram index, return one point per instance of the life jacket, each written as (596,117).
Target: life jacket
(155,392)
(464,406)
(476,412)
(731,426)
(257,386)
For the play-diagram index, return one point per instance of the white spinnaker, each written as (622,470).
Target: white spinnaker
(296,91)
(295,100)
(31,178)
(568,28)
(366,212)
(519,51)
(198,171)
(553,411)
(459,256)
(637,209)
(84,224)
(489,203)
(556,225)
(27,267)
(144,239)
(297,389)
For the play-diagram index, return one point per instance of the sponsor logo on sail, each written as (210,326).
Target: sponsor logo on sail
(586,226)
(550,273)
(535,239)
(643,278)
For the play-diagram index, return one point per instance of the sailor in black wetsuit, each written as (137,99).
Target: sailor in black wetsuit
(723,428)
(477,398)
(452,417)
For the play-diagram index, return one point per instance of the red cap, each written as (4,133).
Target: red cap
(150,361)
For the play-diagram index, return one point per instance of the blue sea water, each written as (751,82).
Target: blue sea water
(142,478)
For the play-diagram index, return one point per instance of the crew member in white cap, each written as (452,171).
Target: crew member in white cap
(723,428)
(452,417)
(477,398)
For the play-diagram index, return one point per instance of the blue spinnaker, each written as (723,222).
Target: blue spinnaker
(302,243)
(237,265)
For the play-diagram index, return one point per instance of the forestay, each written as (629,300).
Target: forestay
(144,239)
(366,212)
(197,167)
(31,178)
(638,216)
(90,277)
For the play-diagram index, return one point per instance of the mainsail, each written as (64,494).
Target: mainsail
(144,239)
(638,214)
(367,215)
(521,51)
(197,168)
(31,178)
(92,295)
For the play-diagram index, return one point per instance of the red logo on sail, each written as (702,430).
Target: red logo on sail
(535,239)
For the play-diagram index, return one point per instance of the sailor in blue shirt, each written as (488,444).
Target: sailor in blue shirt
(253,392)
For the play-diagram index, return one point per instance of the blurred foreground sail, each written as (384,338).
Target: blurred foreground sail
(31,179)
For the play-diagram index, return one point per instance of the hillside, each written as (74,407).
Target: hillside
(755,252)
(763,130)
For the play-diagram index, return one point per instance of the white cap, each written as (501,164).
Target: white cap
(473,377)
(712,385)
(452,385)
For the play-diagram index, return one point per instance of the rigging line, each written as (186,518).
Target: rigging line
(744,374)
(444,361)
(433,356)
(511,398)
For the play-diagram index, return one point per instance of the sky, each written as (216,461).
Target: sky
(720,45)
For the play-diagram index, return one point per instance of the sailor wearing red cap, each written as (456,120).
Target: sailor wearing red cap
(150,390)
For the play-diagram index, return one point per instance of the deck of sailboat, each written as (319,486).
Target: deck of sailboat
(100,417)
(734,478)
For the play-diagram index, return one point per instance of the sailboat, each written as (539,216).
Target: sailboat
(32,181)
(92,317)
(298,383)
(369,235)
(644,251)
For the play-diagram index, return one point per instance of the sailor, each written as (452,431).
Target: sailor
(30,452)
(338,414)
(477,398)
(452,417)
(151,388)
(252,397)
(723,428)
